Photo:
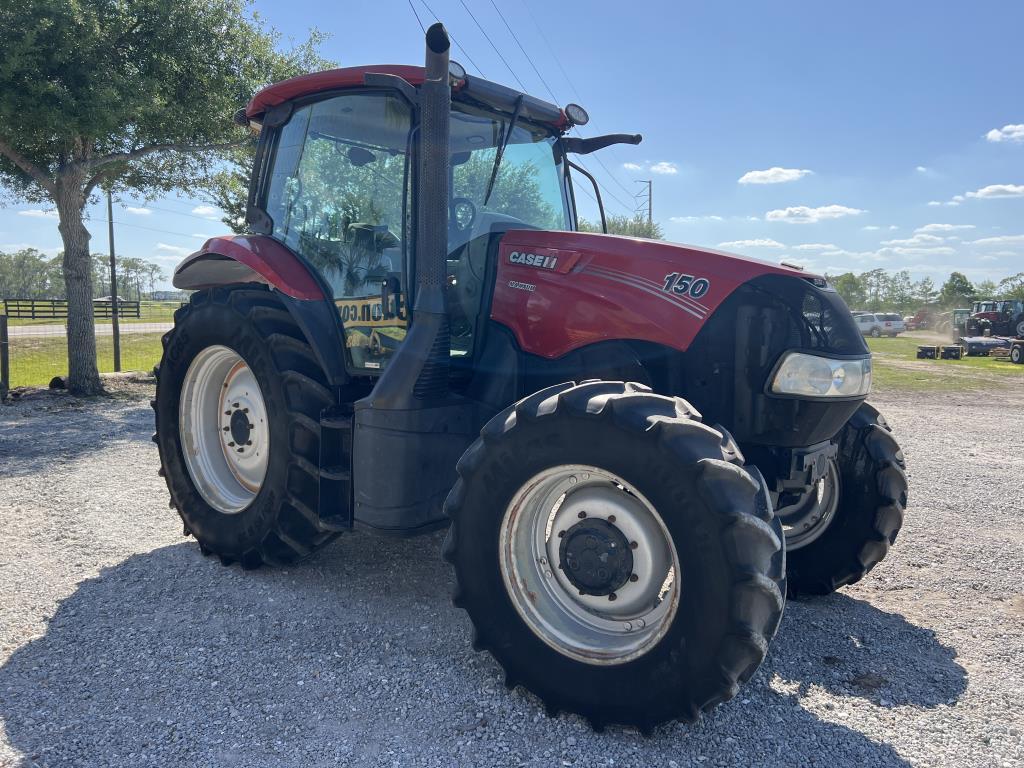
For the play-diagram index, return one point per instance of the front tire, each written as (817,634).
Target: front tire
(605,463)
(870,496)
(238,404)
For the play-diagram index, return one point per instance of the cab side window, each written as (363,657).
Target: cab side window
(337,195)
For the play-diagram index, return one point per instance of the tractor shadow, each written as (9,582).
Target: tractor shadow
(357,657)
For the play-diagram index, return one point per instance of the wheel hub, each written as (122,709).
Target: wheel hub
(595,557)
(239,427)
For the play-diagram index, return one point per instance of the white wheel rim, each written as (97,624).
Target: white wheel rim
(804,521)
(225,435)
(595,629)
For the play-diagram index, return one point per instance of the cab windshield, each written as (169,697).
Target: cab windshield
(340,192)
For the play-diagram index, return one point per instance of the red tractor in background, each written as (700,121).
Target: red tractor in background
(638,448)
(996,318)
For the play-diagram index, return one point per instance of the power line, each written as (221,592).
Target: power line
(488,38)
(414,13)
(454,41)
(521,48)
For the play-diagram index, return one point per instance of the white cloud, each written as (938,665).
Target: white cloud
(918,239)
(893,227)
(1001,240)
(207,211)
(138,211)
(664,167)
(998,190)
(175,249)
(693,219)
(201,236)
(773,175)
(1014,133)
(921,169)
(943,228)
(816,247)
(871,228)
(934,203)
(802,214)
(632,167)
(38,214)
(760,242)
(943,250)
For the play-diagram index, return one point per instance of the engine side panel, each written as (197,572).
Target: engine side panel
(560,291)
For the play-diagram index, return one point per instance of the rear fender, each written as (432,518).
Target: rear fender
(240,259)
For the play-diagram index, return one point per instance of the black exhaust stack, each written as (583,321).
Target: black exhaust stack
(411,430)
(418,372)
(432,214)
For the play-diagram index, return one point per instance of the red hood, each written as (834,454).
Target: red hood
(558,291)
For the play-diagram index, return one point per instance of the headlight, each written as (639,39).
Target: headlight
(813,376)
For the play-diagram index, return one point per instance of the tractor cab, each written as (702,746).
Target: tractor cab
(336,183)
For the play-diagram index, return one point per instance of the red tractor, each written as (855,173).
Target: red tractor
(998,318)
(638,448)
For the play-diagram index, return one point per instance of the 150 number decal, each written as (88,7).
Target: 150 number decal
(686,285)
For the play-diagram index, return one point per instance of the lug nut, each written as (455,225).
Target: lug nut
(249,443)
(227,429)
(581,515)
(241,449)
(633,545)
(561,534)
(627,626)
(611,518)
(245,410)
(634,577)
(234,405)
(231,445)
(612,596)
(227,413)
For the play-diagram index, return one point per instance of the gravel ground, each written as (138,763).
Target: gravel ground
(120,645)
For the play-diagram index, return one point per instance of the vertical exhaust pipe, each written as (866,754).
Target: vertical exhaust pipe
(432,212)
(418,372)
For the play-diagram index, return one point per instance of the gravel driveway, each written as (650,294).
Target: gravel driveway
(121,645)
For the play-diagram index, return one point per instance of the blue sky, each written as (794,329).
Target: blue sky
(875,134)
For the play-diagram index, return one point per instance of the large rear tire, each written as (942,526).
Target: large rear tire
(238,404)
(657,578)
(866,504)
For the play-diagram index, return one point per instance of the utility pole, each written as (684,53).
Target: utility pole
(650,198)
(115,308)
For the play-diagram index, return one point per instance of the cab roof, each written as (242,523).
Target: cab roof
(470,88)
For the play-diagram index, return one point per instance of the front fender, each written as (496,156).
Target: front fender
(248,259)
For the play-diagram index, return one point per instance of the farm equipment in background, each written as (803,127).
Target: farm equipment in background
(958,323)
(623,552)
(1017,351)
(996,318)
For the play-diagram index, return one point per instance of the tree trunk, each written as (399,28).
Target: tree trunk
(83,373)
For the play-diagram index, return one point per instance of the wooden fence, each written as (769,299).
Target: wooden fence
(57,309)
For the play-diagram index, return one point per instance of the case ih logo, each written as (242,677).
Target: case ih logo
(532,260)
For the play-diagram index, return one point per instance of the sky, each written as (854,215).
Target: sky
(844,137)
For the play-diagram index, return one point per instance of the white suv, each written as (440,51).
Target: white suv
(880,324)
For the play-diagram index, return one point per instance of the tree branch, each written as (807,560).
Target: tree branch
(34,171)
(135,154)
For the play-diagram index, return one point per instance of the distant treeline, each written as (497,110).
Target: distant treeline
(31,274)
(880,290)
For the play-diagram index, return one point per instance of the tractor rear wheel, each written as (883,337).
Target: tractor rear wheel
(1017,353)
(238,406)
(846,524)
(614,555)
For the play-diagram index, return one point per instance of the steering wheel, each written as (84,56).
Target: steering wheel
(463,213)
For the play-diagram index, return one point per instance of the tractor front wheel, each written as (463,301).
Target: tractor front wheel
(844,526)
(614,555)
(238,404)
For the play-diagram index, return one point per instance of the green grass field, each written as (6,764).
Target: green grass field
(149,311)
(37,359)
(896,368)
